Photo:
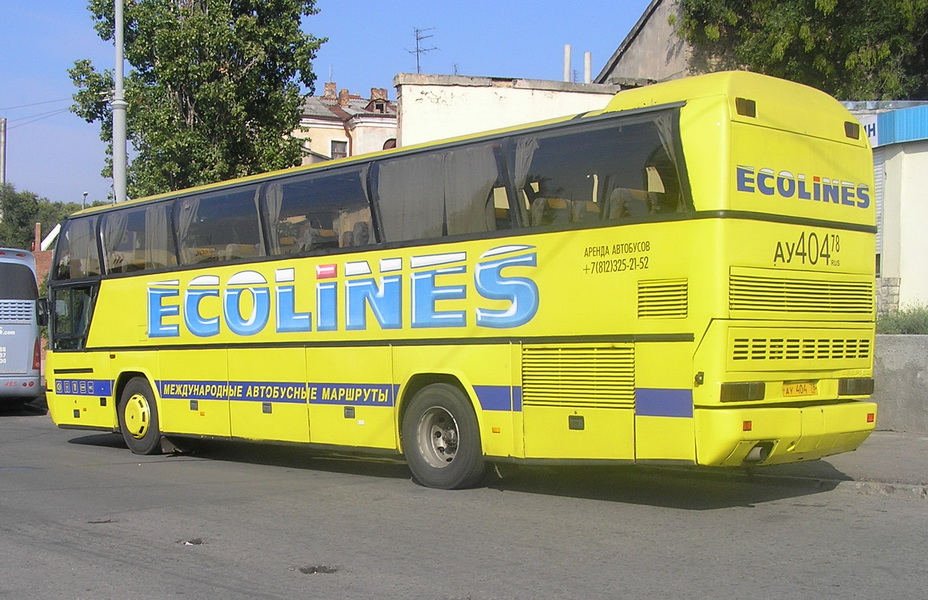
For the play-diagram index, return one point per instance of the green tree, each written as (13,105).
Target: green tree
(852,49)
(213,92)
(22,210)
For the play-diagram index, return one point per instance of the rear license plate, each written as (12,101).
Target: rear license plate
(805,388)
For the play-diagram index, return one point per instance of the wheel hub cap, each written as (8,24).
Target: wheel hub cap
(137,416)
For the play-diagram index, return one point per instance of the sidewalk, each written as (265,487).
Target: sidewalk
(888,463)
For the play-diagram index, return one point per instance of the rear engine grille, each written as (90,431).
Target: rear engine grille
(792,295)
(582,376)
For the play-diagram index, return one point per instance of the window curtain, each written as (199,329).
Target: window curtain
(159,245)
(470,175)
(187,214)
(114,230)
(411,197)
(274,200)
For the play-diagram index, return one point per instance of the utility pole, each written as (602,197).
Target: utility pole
(419,51)
(2,150)
(119,113)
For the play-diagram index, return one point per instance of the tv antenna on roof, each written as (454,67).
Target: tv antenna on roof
(419,51)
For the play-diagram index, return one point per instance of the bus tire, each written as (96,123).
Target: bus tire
(441,438)
(138,417)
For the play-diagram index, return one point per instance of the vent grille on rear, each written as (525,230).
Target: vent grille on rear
(792,295)
(769,349)
(18,311)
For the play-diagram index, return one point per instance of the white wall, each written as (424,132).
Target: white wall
(433,107)
(907,179)
(369,135)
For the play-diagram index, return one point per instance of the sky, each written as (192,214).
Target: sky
(57,155)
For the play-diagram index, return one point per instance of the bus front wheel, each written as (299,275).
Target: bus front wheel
(441,438)
(138,417)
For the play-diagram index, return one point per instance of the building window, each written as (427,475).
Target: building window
(339,149)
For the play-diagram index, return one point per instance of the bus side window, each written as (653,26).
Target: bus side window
(441,193)
(138,239)
(611,169)
(318,212)
(76,255)
(219,226)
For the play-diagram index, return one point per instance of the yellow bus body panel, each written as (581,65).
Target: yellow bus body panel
(352,398)
(634,332)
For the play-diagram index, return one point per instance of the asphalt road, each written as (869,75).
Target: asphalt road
(82,517)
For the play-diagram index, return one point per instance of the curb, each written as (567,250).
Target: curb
(903,490)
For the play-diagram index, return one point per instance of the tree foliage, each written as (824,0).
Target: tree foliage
(852,49)
(22,210)
(213,89)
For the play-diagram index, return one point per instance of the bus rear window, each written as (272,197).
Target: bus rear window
(17,282)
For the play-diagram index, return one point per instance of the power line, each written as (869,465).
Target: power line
(37,117)
(36,104)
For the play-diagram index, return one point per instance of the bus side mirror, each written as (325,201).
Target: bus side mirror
(41,311)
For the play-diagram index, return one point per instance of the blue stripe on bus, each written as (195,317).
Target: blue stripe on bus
(656,402)
(84,387)
(498,397)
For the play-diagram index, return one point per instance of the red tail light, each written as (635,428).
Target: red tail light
(37,356)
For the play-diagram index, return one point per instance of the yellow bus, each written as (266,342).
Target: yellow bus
(685,277)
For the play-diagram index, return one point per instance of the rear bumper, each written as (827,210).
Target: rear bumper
(20,387)
(734,437)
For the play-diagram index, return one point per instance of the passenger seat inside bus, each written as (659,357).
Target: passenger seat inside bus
(626,203)
(240,251)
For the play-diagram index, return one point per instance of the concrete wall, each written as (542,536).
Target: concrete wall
(651,50)
(433,107)
(901,374)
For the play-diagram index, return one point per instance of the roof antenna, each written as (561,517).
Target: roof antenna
(419,51)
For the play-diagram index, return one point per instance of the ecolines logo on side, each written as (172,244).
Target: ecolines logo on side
(788,185)
(171,307)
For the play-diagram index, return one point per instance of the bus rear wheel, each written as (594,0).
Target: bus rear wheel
(441,438)
(138,417)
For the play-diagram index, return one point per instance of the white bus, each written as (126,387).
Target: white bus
(20,337)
